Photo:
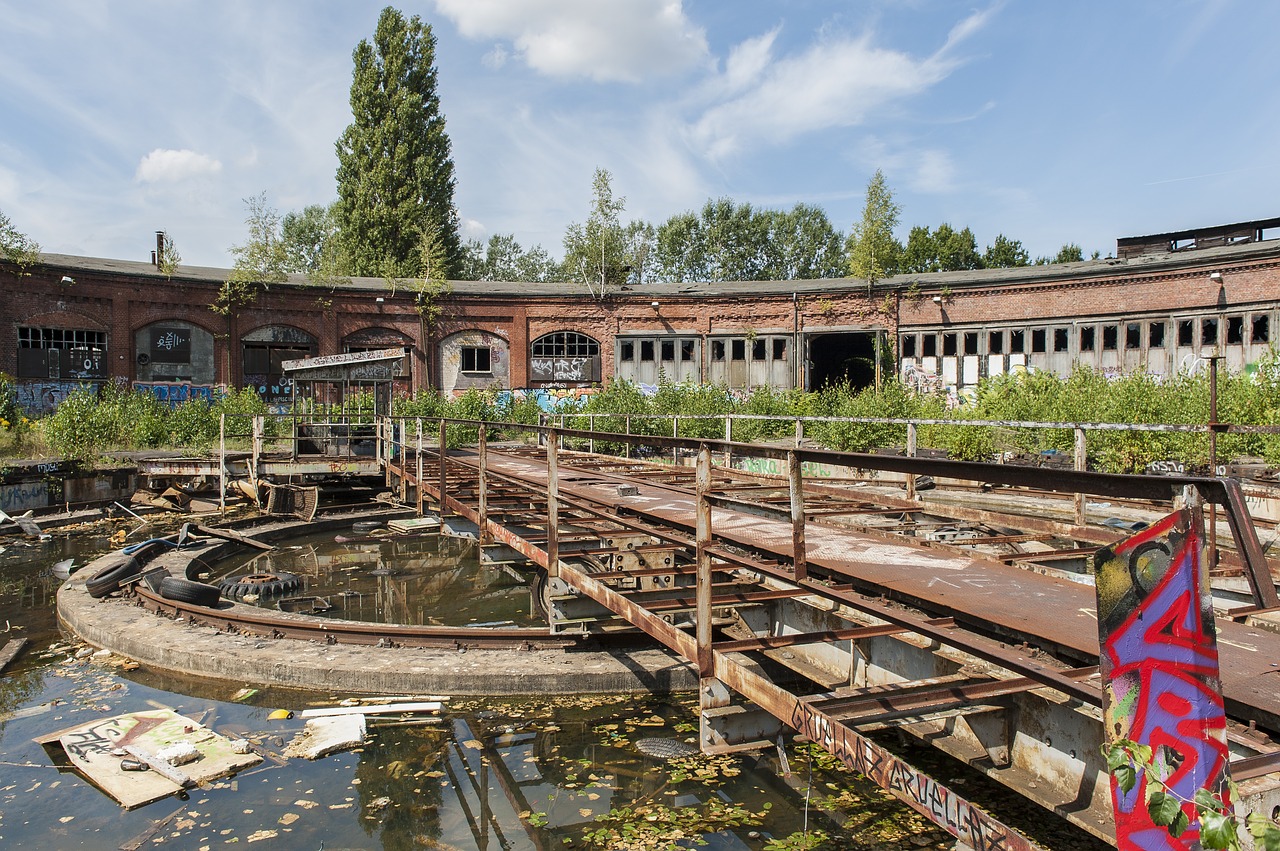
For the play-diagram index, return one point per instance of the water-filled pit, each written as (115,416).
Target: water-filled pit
(545,772)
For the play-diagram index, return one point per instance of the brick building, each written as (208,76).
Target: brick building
(70,320)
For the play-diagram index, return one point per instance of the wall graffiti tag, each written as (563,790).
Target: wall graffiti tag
(17,498)
(174,393)
(1161,685)
(39,398)
(924,794)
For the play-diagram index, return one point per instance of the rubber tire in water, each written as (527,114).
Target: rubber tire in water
(106,579)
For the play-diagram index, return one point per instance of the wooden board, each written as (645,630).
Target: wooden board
(10,651)
(89,748)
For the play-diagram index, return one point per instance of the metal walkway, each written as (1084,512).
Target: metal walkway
(840,632)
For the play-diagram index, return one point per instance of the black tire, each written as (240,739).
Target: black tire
(261,585)
(186,591)
(112,569)
(366,526)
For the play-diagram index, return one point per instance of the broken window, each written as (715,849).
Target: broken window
(1209,332)
(1261,328)
(1186,333)
(1155,335)
(1235,330)
(1087,334)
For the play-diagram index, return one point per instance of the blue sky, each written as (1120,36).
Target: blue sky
(1048,122)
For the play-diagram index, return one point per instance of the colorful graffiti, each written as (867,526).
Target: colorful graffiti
(41,398)
(174,393)
(1160,673)
(550,399)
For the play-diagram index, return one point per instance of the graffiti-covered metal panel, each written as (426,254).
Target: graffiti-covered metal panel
(1160,672)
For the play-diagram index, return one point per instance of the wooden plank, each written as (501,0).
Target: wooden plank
(229,535)
(10,651)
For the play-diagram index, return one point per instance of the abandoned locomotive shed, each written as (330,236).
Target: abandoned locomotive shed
(745,576)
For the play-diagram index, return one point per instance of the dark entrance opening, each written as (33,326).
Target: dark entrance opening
(842,359)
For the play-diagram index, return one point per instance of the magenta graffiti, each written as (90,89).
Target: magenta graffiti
(1160,669)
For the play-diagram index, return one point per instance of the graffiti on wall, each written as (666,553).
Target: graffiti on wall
(174,393)
(1160,672)
(924,794)
(40,398)
(550,399)
(15,499)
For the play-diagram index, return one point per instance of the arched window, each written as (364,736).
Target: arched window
(564,356)
(565,344)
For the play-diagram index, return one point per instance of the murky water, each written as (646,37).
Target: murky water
(429,579)
(562,772)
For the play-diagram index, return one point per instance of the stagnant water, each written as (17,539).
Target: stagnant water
(544,773)
(419,580)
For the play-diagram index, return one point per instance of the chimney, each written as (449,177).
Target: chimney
(157,256)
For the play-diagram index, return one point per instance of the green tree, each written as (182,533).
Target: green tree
(16,247)
(1069,253)
(502,258)
(943,250)
(259,262)
(872,249)
(395,172)
(599,254)
(311,239)
(168,258)
(804,245)
(1005,253)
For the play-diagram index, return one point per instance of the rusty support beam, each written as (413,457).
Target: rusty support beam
(702,527)
(553,504)
(863,756)
(418,482)
(795,478)
(444,451)
(482,469)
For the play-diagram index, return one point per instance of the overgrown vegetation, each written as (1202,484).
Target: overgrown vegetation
(86,425)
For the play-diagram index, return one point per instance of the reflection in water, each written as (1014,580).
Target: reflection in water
(417,580)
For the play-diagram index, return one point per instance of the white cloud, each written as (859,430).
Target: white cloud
(615,41)
(836,82)
(935,172)
(168,166)
(496,58)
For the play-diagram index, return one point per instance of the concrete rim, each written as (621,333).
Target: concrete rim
(125,628)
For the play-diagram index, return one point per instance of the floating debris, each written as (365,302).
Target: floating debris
(665,748)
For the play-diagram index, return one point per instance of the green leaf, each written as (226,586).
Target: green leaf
(1180,824)
(1126,777)
(1164,809)
(1218,831)
(1264,831)
(1117,756)
(1208,802)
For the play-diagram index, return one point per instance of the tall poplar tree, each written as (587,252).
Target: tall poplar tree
(395,173)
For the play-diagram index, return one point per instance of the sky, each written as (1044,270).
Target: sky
(1049,123)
